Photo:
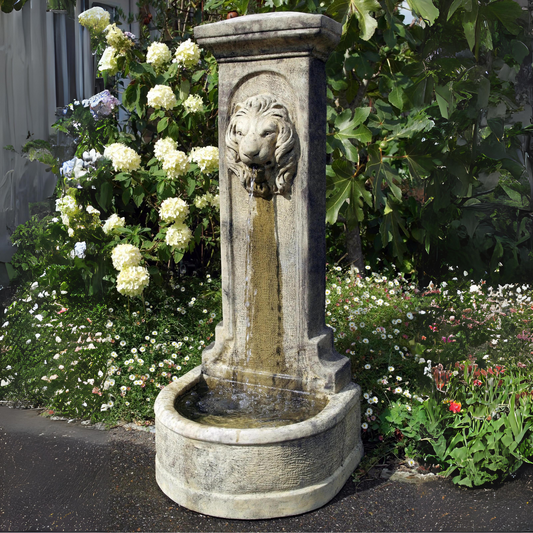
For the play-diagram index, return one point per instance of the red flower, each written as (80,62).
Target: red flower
(478,383)
(455,407)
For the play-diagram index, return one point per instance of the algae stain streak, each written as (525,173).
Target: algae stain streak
(265,344)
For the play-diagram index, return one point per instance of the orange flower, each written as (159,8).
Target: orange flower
(455,407)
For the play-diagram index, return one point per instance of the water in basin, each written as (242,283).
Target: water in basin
(230,405)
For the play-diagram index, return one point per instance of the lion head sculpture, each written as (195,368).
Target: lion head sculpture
(262,146)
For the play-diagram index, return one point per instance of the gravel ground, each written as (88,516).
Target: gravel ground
(60,476)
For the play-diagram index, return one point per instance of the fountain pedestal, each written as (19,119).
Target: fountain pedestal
(273,342)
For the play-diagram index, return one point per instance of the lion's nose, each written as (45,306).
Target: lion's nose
(250,154)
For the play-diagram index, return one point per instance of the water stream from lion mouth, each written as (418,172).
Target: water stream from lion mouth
(230,405)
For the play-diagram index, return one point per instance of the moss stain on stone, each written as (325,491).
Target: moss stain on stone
(266,299)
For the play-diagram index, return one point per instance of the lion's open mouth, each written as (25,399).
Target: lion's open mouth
(258,173)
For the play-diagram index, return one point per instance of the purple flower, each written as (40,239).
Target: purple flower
(101,104)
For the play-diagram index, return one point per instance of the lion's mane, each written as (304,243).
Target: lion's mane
(287,146)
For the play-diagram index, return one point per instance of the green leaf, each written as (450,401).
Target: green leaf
(346,124)
(178,255)
(343,10)
(162,124)
(126,195)
(185,89)
(138,195)
(469,21)
(104,195)
(445,100)
(396,97)
(519,51)
(341,182)
(363,134)
(439,446)
(514,195)
(130,96)
(497,126)
(420,166)
(456,4)
(507,12)
(173,131)
(424,8)
(191,185)
(483,93)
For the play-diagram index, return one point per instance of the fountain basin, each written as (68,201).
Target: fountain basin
(261,472)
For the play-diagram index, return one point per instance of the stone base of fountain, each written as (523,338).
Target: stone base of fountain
(256,473)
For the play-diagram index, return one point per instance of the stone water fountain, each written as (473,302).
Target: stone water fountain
(269,424)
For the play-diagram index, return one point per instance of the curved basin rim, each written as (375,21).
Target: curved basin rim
(334,411)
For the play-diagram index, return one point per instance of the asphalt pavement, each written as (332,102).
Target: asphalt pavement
(60,476)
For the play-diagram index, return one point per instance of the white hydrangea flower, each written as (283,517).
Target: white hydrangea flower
(95,19)
(163,146)
(194,104)
(178,236)
(124,159)
(206,158)
(125,255)
(132,280)
(117,39)
(108,61)
(215,202)
(66,205)
(158,54)
(203,201)
(174,210)
(161,96)
(114,221)
(175,164)
(92,211)
(187,54)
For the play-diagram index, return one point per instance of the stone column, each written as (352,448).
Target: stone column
(272,130)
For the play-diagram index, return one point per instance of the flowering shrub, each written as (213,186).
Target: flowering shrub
(420,397)
(96,360)
(112,191)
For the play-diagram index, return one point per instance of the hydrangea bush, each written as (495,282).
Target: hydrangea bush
(113,192)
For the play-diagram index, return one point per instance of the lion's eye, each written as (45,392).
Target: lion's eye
(267,133)
(238,132)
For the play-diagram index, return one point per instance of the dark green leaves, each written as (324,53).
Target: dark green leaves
(348,127)
(425,9)
(349,189)
(7,6)
(343,10)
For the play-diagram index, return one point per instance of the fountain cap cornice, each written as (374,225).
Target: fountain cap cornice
(270,36)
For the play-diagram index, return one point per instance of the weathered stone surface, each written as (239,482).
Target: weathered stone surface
(256,473)
(273,245)
(273,35)
(273,338)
